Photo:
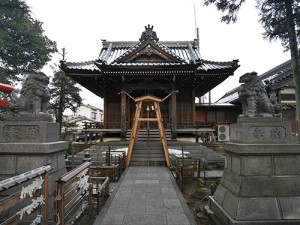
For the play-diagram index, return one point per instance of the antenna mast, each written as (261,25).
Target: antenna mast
(196,28)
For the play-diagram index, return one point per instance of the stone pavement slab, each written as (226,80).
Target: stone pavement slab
(146,196)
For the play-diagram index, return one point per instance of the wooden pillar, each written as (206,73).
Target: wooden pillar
(105,115)
(123,115)
(174,114)
(193,109)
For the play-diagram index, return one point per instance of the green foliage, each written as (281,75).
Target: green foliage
(23,45)
(3,113)
(274,20)
(69,128)
(64,95)
(230,8)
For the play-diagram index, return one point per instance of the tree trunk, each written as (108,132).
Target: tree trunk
(61,104)
(294,56)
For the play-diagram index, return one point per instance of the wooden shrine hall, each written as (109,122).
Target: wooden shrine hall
(150,67)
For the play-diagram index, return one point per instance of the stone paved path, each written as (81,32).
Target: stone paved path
(146,196)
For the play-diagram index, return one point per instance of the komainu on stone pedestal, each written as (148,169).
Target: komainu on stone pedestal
(33,101)
(254,98)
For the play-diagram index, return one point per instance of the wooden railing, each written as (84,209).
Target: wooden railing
(75,186)
(18,201)
(101,190)
(116,158)
(71,189)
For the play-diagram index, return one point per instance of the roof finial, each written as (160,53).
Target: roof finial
(149,34)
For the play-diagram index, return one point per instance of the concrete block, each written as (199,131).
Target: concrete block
(236,164)
(290,208)
(280,186)
(253,209)
(257,165)
(26,163)
(231,181)
(228,161)
(287,165)
(8,163)
(33,148)
(220,215)
(230,203)
(52,160)
(261,149)
(220,194)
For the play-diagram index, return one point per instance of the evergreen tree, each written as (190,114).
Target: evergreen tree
(64,95)
(281,20)
(23,44)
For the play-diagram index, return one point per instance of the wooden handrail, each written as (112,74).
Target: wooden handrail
(68,176)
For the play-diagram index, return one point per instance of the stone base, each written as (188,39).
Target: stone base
(260,185)
(260,131)
(221,217)
(28,132)
(17,158)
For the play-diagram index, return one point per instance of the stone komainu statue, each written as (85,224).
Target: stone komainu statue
(34,96)
(254,98)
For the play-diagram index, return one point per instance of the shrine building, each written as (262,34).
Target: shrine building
(126,70)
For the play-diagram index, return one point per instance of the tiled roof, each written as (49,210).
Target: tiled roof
(88,65)
(212,65)
(183,53)
(176,53)
(278,74)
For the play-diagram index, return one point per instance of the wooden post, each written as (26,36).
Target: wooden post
(174,116)
(62,207)
(134,132)
(123,115)
(162,133)
(193,109)
(46,196)
(90,191)
(105,113)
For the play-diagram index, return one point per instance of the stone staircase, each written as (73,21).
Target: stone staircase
(155,156)
(153,135)
(148,154)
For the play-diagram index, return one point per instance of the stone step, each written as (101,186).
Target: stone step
(153,135)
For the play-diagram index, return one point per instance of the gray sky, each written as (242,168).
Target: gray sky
(79,26)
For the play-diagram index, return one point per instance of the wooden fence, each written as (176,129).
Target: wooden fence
(75,186)
(37,192)
(71,189)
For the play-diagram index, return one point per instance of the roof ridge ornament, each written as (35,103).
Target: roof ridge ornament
(148,34)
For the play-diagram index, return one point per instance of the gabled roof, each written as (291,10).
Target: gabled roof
(150,52)
(163,62)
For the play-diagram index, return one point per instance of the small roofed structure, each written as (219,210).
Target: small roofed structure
(150,67)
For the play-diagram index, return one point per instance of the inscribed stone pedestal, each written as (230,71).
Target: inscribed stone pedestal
(260,184)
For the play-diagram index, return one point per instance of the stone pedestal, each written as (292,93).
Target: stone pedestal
(261,180)
(26,145)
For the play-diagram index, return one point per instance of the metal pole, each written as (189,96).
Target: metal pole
(72,152)
(148,131)
(108,158)
(182,167)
